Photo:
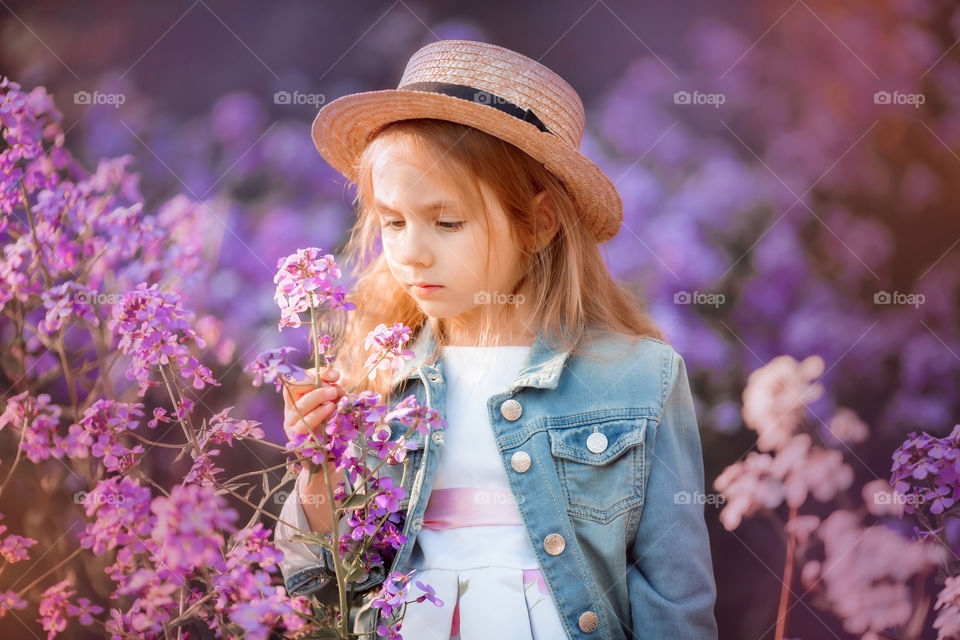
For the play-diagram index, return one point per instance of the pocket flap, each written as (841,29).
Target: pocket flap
(571,442)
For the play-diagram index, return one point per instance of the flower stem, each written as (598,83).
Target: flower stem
(787,579)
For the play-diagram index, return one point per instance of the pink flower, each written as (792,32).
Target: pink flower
(10,600)
(776,395)
(867,572)
(847,427)
(388,345)
(53,608)
(306,279)
(948,604)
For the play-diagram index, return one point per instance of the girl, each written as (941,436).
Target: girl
(563,499)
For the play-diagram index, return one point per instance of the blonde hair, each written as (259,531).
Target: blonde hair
(566,281)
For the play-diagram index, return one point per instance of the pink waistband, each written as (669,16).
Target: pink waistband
(470,507)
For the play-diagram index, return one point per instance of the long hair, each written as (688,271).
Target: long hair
(566,281)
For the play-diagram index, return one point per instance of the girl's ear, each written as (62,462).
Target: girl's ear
(545,220)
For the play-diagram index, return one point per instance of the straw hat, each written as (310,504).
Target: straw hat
(490,88)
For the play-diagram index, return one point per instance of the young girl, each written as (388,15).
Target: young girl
(563,499)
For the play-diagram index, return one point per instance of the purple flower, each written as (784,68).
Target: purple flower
(926,471)
(223,428)
(186,534)
(53,608)
(428,594)
(306,279)
(84,610)
(388,344)
(40,420)
(412,414)
(122,515)
(393,593)
(271,365)
(154,328)
(388,496)
(66,301)
(10,600)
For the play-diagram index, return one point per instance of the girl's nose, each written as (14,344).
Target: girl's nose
(415,249)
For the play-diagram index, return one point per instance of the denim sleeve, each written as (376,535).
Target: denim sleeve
(670,571)
(309,568)
(306,568)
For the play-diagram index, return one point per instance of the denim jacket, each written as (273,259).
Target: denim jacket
(616,520)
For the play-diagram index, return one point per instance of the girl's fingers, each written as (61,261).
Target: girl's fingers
(310,421)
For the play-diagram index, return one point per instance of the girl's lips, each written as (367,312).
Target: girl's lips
(423,290)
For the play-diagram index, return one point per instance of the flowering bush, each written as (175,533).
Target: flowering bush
(871,577)
(97,338)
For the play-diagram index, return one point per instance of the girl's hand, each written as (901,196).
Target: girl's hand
(315,404)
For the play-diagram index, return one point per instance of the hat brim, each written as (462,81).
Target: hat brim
(344,127)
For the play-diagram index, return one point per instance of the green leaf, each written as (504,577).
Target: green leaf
(312,538)
(357,500)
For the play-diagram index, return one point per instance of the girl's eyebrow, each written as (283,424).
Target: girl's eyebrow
(430,207)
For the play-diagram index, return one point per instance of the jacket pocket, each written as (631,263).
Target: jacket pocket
(602,475)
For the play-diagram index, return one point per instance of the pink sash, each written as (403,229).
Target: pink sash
(470,507)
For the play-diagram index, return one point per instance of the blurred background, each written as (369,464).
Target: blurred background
(789,172)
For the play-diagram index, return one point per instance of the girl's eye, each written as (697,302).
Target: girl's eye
(446,226)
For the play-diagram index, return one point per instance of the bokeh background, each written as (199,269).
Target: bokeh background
(789,171)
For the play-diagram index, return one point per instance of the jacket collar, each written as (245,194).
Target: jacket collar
(540,369)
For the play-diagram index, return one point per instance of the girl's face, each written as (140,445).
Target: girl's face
(431,237)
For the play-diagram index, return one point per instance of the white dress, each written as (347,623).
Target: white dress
(473,549)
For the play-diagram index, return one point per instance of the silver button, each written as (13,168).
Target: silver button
(434,377)
(520,461)
(596,441)
(416,523)
(511,409)
(437,437)
(554,544)
(588,621)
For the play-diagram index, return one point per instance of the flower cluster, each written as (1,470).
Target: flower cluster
(790,466)
(926,470)
(304,280)
(387,343)
(149,324)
